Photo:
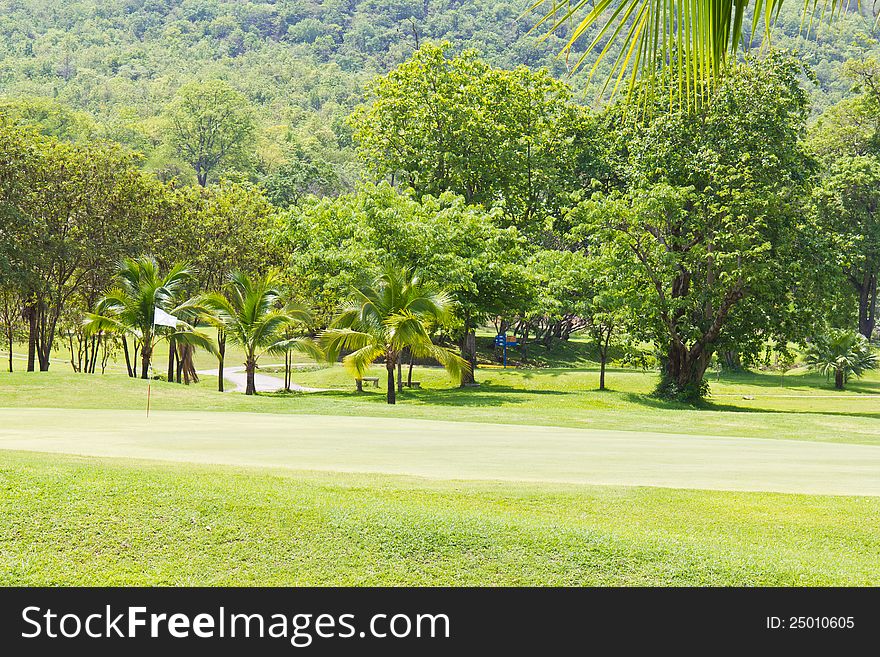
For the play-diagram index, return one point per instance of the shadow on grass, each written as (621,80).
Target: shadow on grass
(483,395)
(811,380)
(486,394)
(648,401)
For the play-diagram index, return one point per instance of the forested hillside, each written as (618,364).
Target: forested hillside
(108,69)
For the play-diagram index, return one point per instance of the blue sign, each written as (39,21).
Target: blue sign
(500,339)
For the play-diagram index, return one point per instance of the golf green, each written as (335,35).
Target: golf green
(450,450)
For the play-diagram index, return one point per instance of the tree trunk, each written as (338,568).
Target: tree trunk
(838,379)
(146,354)
(221,357)
(685,370)
(11,342)
(400,375)
(603,355)
(73,360)
(469,353)
(31,316)
(185,364)
(409,374)
(45,337)
(868,305)
(128,365)
(250,367)
(172,352)
(359,384)
(389,366)
(96,347)
(732,360)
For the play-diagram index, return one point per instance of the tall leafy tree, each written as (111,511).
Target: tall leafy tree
(442,122)
(710,236)
(340,243)
(846,139)
(219,229)
(386,319)
(73,210)
(210,125)
(848,203)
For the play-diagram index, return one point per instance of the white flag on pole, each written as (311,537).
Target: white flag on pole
(161,318)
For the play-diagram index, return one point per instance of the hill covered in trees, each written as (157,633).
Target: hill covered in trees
(110,70)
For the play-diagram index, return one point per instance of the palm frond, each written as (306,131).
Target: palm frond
(359,361)
(660,41)
(336,340)
(305,346)
(95,323)
(194,339)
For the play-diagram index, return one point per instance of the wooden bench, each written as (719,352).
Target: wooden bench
(372,379)
(414,384)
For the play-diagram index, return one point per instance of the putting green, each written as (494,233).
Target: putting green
(450,450)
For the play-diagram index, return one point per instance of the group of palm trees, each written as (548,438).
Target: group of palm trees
(393,316)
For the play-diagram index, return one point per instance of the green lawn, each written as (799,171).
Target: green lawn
(69,520)
(806,408)
(450,450)
(176,510)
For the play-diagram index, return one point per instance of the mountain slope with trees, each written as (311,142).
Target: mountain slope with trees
(113,70)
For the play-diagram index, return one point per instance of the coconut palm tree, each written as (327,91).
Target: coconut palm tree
(252,315)
(661,40)
(387,318)
(842,353)
(129,310)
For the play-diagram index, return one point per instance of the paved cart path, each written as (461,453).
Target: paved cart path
(263,382)
(450,450)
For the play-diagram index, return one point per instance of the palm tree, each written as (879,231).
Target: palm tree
(251,315)
(842,353)
(129,310)
(386,319)
(665,40)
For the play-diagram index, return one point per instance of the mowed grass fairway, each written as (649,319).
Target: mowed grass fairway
(450,450)
(533,478)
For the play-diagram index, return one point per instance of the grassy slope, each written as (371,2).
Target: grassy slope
(68,520)
(806,408)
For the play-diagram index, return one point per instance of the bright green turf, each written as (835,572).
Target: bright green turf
(450,450)
(560,397)
(68,520)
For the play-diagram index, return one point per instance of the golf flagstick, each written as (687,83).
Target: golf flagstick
(149,384)
(160,318)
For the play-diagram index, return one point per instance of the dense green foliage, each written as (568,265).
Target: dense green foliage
(711,222)
(443,123)
(696,232)
(89,68)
